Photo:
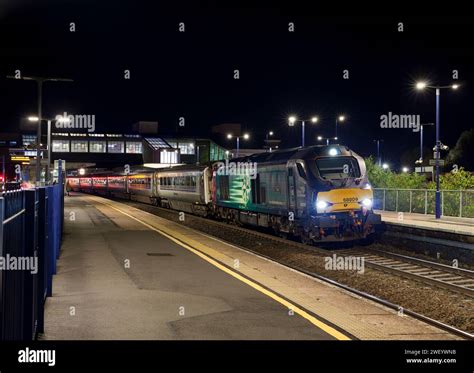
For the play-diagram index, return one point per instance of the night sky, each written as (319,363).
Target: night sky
(191,74)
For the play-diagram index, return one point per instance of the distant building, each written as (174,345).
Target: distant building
(145,128)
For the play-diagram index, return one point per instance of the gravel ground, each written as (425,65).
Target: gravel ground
(439,304)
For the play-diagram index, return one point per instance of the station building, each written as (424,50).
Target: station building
(140,148)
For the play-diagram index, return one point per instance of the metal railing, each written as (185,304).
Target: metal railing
(31,224)
(456,203)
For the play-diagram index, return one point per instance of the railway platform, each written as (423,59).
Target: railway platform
(127,274)
(447,224)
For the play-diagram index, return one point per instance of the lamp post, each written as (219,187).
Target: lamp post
(379,158)
(292,120)
(39,80)
(421,86)
(246,136)
(420,160)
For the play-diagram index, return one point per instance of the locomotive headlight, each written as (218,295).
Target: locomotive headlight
(367,186)
(321,205)
(367,202)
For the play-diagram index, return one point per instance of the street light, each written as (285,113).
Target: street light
(39,81)
(292,120)
(385,166)
(420,86)
(246,136)
(405,169)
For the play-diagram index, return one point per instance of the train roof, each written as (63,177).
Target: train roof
(283,156)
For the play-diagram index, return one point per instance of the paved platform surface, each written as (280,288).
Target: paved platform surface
(429,222)
(127,274)
(117,279)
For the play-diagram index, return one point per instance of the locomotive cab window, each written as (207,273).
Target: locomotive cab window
(301,170)
(335,168)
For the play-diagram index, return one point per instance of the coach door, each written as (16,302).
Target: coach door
(291,191)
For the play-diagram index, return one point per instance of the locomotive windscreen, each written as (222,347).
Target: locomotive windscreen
(336,168)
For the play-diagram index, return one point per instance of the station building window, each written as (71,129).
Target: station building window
(79,146)
(134,147)
(168,157)
(115,146)
(185,146)
(97,146)
(60,146)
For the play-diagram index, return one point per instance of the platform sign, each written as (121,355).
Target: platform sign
(55,170)
(424,169)
(433,162)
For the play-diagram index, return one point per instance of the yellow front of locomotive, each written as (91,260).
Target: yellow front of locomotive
(344,205)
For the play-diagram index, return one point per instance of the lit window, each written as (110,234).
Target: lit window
(134,147)
(168,157)
(115,146)
(28,139)
(97,146)
(60,146)
(79,146)
(186,147)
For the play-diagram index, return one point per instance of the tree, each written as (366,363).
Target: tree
(409,157)
(462,154)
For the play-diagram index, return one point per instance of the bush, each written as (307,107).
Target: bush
(380,178)
(450,181)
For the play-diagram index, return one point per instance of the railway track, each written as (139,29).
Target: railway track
(441,275)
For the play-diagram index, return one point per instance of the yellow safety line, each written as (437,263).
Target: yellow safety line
(328,329)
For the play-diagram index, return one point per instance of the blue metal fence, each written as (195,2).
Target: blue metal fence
(30,240)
